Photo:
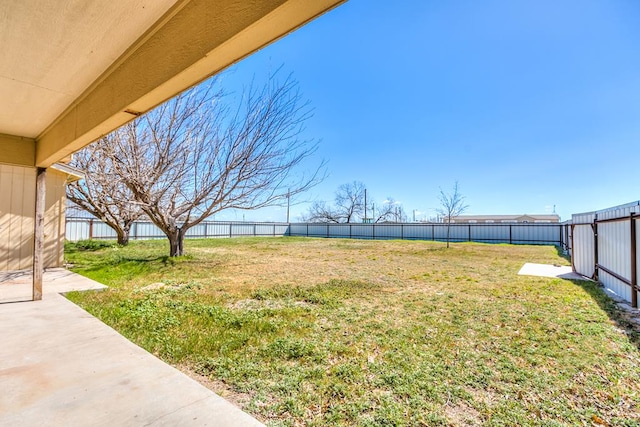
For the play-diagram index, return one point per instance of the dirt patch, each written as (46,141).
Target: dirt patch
(461,414)
(254,304)
(162,286)
(629,315)
(217,386)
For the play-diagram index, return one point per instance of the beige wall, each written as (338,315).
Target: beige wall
(17,204)
(54,219)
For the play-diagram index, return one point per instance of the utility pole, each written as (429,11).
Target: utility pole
(365,205)
(288,203)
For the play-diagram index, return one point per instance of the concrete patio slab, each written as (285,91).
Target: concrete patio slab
(16,285)
(546,270)
(60,366)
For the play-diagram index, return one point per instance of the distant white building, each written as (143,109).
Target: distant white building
(506,219)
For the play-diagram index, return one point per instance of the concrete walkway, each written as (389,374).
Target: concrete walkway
(60,366)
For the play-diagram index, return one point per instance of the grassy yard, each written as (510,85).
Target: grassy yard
(374,333)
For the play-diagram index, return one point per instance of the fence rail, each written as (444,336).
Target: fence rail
(85,229)
(541,234)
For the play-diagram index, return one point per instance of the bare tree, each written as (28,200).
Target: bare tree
(322,212)
(349,201)
(348,206)
(451,205)
(199,154)
(392,210)
(101,193)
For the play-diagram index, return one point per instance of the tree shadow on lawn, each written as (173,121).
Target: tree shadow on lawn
(620,318)
(130,264)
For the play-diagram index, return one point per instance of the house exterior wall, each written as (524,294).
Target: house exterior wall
(17,207)
(17,204)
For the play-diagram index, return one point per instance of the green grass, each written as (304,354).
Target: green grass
(349,332)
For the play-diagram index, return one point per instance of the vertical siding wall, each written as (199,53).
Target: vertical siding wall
(604,249)
(54,223)
(17,206)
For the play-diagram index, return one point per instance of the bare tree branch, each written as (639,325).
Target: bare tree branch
(199,153)
(348,206)
(391,211)
(101,193)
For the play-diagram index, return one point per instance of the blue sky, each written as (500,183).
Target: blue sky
(527,104)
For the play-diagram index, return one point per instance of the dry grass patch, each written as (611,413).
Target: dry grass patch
(353,332)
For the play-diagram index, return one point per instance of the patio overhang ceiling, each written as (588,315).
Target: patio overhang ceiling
(74,70)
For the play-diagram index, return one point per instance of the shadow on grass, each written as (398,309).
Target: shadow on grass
(608,305)
(106,269)
(88,245)
(563,254)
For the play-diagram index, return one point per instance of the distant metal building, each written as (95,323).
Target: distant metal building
(506,219)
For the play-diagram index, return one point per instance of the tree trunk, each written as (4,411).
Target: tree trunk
(123,238)
(176,242)
(123,235)
(448,230)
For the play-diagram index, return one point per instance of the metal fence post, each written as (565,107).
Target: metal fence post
(560,242)
(594,227)
(90,229)
(573,264)
(634,260)
(510,234)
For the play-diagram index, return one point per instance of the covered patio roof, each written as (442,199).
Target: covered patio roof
(74,70)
